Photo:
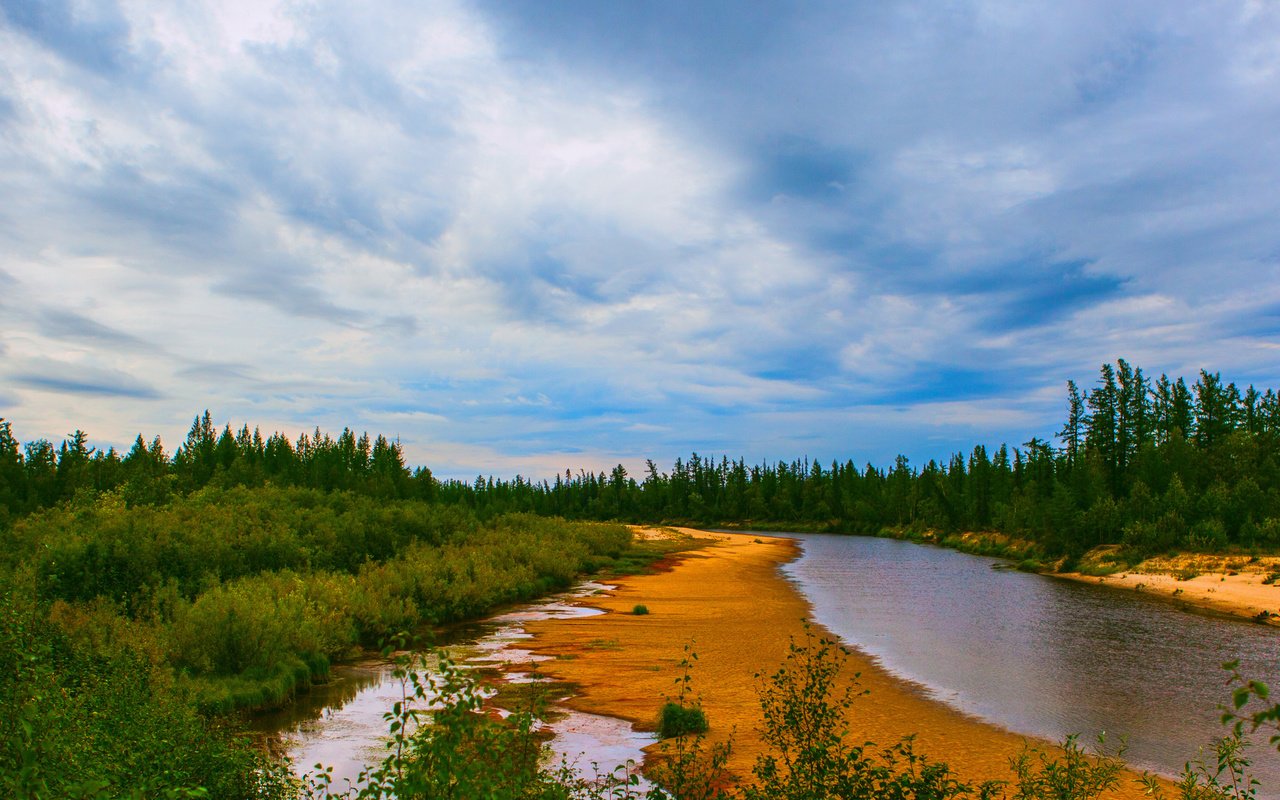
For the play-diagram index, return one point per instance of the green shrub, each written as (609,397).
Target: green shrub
(678,720)
(640,610)
(1074,773)
(1208,535)
(95,716)
(810,754)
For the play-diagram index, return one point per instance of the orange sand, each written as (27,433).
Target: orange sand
(731,600)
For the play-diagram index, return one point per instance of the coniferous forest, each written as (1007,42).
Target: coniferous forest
(145,595)
(1150,464)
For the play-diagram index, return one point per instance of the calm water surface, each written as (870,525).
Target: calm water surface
(341,724)
(1038,655)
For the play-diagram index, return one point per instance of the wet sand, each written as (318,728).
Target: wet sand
(740,613)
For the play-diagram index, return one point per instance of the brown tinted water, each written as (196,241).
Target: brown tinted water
(1036,655)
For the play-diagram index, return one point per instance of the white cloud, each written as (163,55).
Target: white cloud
(307,213)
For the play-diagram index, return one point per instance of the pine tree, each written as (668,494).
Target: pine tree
(13,484)
(1104,424)
(1216,409)
(1072,434)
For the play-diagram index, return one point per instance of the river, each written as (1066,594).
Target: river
(1038,655)
(1033,654)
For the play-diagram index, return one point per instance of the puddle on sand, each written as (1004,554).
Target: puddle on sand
(341,724)
(594,745)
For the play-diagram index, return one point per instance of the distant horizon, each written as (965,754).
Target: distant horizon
(636,466)
(529,237)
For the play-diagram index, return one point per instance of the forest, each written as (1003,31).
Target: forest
(1150,464)
(145,596)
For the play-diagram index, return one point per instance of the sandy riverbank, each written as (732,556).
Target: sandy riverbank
(740,612)
(1227,584)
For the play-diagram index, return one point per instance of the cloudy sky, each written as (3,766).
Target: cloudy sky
(522,236)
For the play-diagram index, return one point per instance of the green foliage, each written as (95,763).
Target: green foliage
(114,603)
(443,744)
(140,626)
(1073,773)
(806,728)
(93,716)
(461,753)
(1252,707)
(232,572)
(1223,777)
(253,592)
(805,725)
(640,609)
(678,720)
(687,767)
(1156,464)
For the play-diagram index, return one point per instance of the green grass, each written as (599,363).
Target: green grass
(257,688)
(1099,570)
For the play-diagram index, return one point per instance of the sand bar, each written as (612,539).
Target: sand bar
(1226,584)
(731,600)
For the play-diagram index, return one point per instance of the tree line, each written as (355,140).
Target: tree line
(40,474)
(1152,464)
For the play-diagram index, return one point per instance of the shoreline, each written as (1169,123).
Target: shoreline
(1230,585)
(1208,583)
(732,600)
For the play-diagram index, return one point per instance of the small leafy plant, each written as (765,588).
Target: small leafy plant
(677,720)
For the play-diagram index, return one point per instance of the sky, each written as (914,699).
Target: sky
(521,237)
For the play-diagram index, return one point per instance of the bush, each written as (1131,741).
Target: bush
(678,720)
(95,716)
(1075,773)
(1208,535)
(640,610)
(810,755)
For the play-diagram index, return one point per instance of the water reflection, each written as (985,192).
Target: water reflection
(341,724)
(1037,655)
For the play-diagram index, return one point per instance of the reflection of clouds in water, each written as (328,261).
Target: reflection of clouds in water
(591,743)
(348,737)
(496,647)
(342,725)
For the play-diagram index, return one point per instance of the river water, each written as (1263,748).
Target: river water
(342,724)
(1038,655)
